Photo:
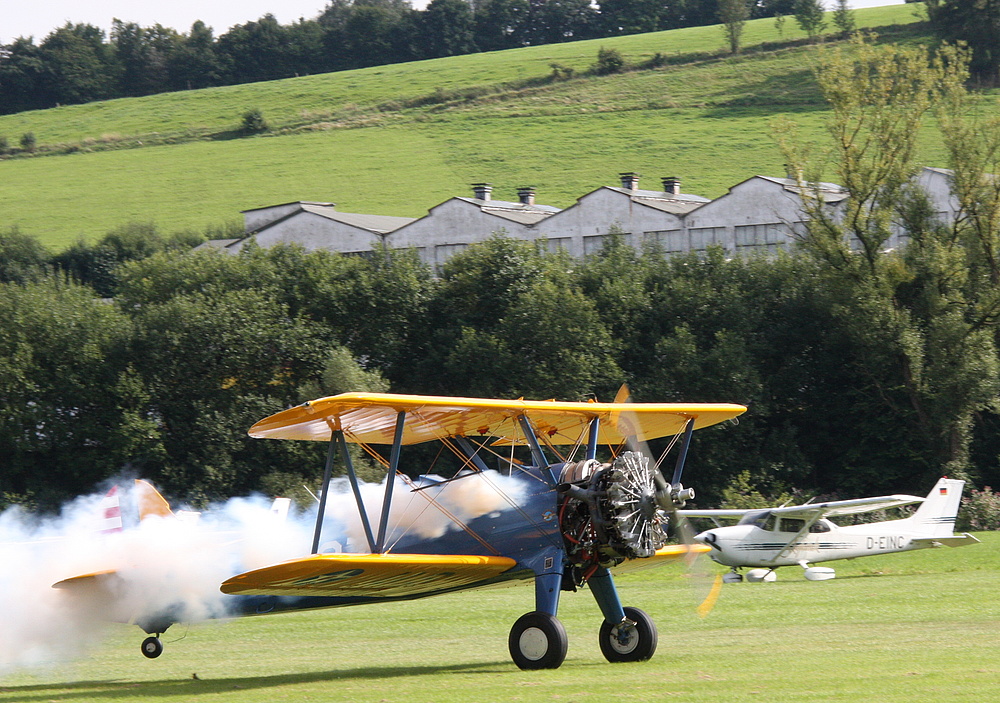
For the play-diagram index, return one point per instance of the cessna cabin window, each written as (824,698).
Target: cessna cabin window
(789,524)
(764,520)
(819,526)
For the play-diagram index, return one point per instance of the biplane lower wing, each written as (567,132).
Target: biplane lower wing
(375,576)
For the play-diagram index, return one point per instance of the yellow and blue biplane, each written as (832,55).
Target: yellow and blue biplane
(572,521)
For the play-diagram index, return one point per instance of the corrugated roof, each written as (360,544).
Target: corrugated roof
(675,204)
(830,192)
(515,212)
(379,224)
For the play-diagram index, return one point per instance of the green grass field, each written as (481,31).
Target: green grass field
(906,627)
(351,138)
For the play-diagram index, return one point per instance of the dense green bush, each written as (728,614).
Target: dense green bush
(980,510)
(253,122)
(609,61)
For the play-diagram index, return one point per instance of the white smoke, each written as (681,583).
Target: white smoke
(427,513)
(176,563)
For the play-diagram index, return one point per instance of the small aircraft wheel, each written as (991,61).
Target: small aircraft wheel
(537,641)
(631,641)
(152,647)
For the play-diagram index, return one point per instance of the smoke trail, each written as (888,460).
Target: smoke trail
(173,563)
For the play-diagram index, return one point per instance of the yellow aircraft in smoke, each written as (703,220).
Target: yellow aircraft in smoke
(565,519)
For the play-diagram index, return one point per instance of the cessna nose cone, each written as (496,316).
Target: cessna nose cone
(707,537)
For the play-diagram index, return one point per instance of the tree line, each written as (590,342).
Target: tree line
(77,63)
(155,364)
(866,371)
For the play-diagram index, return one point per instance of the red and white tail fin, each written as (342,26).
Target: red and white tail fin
(111,512)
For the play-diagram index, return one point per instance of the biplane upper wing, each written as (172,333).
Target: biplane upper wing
(371,418)
(375,576)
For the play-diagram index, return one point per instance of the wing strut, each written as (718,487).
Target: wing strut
(353,476)
(536,449)
(682,457)
(595,428)
(390,480)
(327,473)
(471,453)
(337,438)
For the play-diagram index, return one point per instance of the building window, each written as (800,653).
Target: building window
(770,238)
(704,237)
(443,252)
(594,243)
(555,244)
(671,241)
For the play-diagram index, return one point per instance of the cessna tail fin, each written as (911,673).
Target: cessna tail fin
(936,515)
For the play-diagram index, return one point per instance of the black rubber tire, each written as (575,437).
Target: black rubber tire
(636,644)
(537,641)
(152,647)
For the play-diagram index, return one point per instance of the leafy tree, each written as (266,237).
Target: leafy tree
(554,21)
(144,55)
(253,122)
(918,321)
(502,24)
(255,51)
(843,18)
(214,364)
(448,28)
(97,265)
(630,16)
(79,66)
(28,142)
(733,14)
(67,420)
(22,257)
(195,63)
(809,15)
(23,77)
(975,22)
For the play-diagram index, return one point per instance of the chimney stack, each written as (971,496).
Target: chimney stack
(482,190)
(630,180)
(526,195)
(672,185)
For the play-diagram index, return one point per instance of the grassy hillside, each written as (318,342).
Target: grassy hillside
(399,139)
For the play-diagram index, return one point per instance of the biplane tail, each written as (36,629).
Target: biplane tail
(150,502)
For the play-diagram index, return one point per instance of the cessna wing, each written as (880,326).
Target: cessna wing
(811,512)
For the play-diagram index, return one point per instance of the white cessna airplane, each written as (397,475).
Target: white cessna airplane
(801,534)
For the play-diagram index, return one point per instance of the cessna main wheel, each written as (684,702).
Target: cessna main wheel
(631,641)
(537,641)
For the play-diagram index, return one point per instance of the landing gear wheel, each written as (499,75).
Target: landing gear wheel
(631,641)
(537,641)
(152,647)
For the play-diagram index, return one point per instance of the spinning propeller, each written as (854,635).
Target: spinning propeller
(671,497)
